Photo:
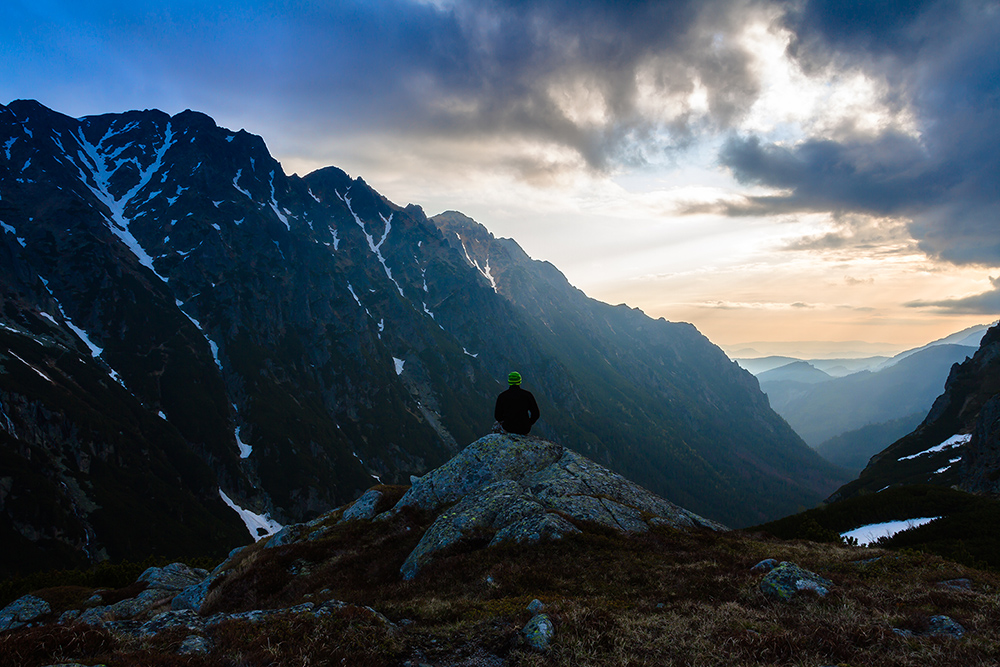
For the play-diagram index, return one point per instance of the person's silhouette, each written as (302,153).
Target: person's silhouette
(516,410)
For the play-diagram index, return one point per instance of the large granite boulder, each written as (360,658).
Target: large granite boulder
(522,489)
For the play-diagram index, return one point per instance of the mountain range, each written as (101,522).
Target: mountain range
(194,344)
(850,416)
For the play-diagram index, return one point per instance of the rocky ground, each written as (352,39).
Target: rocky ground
(521,552)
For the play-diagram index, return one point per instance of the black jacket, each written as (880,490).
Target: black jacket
(516,410)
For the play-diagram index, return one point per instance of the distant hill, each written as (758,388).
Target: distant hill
(832,367)
(823,410)
(970,337)
(797,371)
(852,450)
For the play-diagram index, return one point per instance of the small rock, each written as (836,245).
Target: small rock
(944,626)
(194,645)
(68,616)
(21,611)
(187,619)
(788,579)
(939,626)
(173,577)
(866,561)
(536,606)
(538,632)
(957,584)
(765,565)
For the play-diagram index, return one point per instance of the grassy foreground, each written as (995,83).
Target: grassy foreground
(663,598)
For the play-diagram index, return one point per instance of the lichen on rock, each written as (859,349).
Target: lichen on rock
(508,488)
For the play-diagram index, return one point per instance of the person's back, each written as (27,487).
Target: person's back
(516,410)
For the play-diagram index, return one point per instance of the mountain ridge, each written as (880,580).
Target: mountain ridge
(304,335)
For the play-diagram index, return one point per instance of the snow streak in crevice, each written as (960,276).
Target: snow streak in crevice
(485,271)
(13,354)
(374,247)
(211,343)
(95,351)
(236,184)
(373,475)
(274,206)
(104,164)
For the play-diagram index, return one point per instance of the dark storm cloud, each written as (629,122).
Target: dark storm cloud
(485,68)
(468,70)
(943,58)
(987,303)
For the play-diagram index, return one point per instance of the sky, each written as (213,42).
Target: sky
(780,174)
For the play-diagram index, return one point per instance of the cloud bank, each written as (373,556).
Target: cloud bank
(940,59)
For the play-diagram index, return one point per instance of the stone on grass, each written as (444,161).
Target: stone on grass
(945,626)
(536,606)
(194,645)
(788,579)
(539,631)
(957,584)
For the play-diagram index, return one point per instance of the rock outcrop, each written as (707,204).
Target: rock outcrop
(512,488)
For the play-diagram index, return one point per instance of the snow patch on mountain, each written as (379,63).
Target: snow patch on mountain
(245,449)
(259,525)
(399,365)
(950,443)
(13,232)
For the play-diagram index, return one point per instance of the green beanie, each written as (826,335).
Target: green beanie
(514,378)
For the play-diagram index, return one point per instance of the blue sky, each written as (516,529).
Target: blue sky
(770,171)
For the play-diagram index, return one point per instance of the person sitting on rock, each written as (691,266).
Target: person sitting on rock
(516,410)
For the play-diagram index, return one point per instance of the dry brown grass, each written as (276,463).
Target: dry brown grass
(664,598)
